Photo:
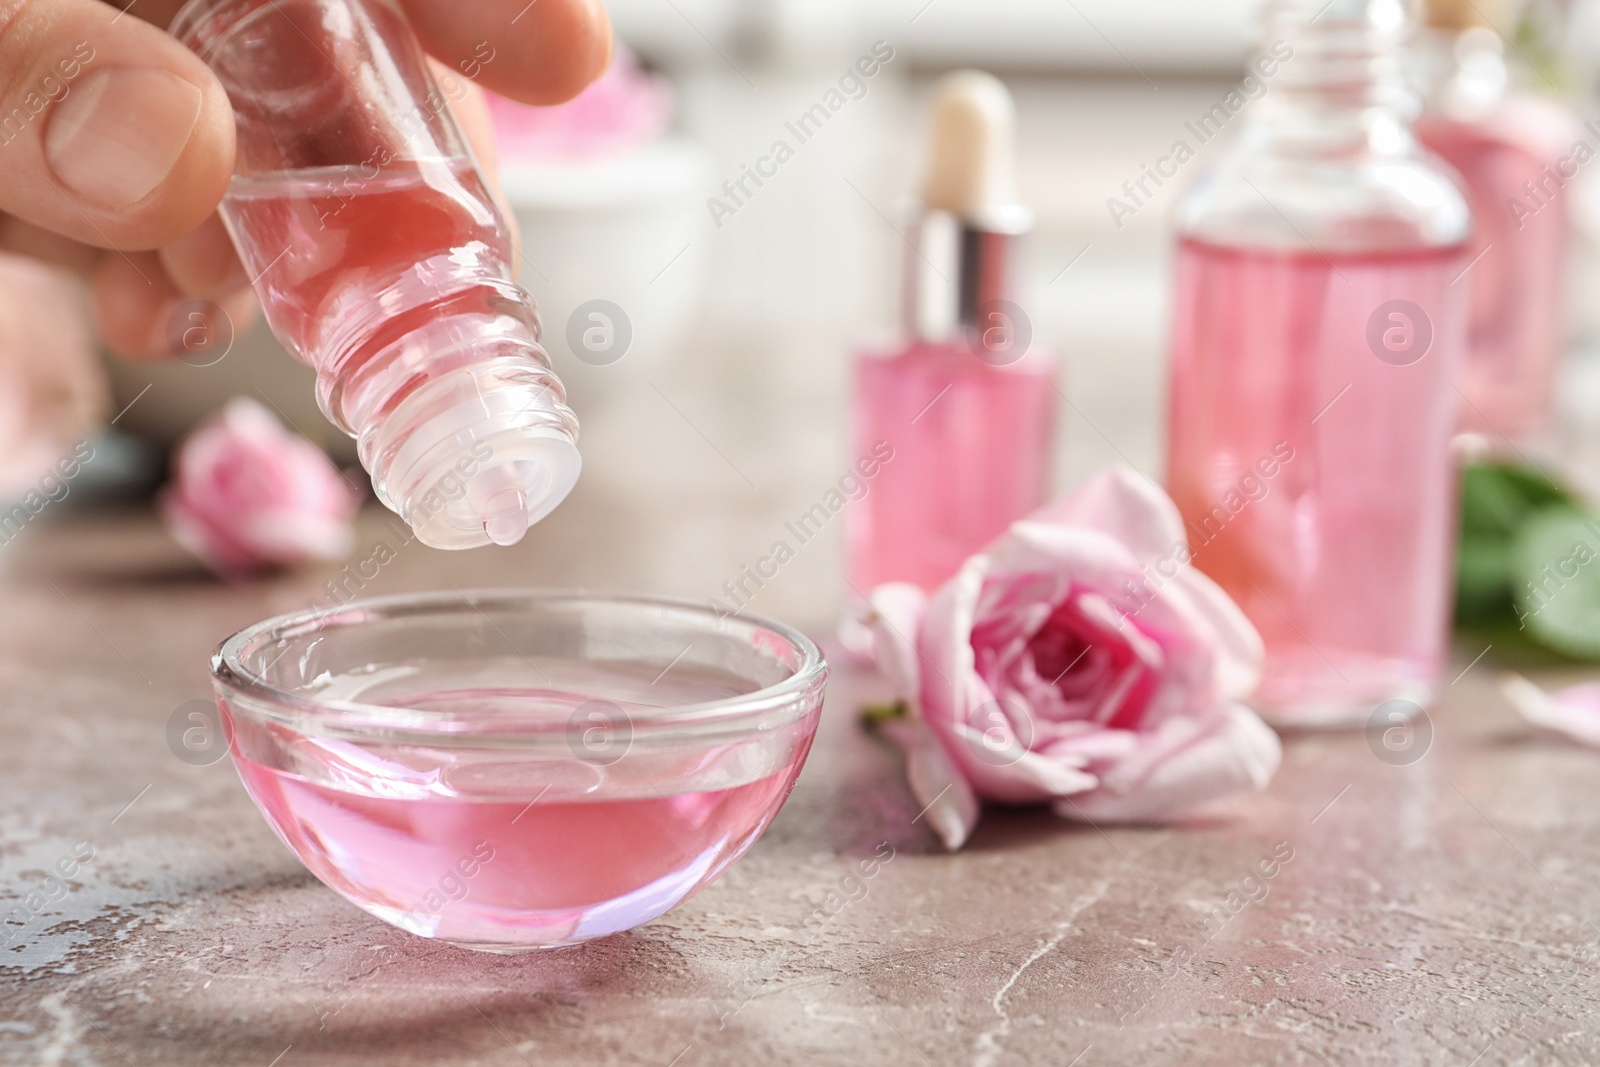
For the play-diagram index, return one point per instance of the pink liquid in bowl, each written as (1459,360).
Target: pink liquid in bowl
(502,853)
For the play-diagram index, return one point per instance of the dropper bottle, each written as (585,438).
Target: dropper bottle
(954,420)
(1515,152)
(381,261)
(1317,330)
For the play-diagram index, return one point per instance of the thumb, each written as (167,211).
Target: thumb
(111,132)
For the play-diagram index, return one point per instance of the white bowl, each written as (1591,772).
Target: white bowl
(629,231)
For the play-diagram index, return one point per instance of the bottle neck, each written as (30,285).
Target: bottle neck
(959,272)
(1342,88)
(1327,160)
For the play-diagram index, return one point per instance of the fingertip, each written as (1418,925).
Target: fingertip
(591,46)
(133,140)
(544,52)
(202,262)
(197,179)
(141,315)
(128,293)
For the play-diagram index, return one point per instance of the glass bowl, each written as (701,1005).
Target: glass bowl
(514,770)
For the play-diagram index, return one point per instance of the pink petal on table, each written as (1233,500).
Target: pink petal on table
(1573,712)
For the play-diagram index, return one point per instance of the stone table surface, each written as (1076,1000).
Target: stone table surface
(1440,911)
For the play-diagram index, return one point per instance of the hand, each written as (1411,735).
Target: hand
(116,169)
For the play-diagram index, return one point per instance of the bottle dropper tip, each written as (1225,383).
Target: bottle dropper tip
(505,516)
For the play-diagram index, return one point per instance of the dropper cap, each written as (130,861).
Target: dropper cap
(485,449)
(962,264)
(972,170)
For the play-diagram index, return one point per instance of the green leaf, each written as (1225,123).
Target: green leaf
(1483,579)
(1556,581)
(1498,500)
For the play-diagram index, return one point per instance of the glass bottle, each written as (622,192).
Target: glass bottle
(955,419)
(1514,152)
(381,260)
(1316,334)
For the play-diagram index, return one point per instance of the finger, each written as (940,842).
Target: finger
(203,262)
(136,306)
(128,293)
(541,52)
(138,323)
(26,239)
(111,132)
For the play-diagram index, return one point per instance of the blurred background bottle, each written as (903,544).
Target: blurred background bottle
(1513,149)
(1316,337)
(965,401)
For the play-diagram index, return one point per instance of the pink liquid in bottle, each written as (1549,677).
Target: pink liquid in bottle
(1517,253)
(960,410)
(502,852)
(382,262)
(339,250)
(1309,456)
(970,447)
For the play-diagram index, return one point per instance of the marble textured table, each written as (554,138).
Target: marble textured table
(1444,911)
(1431,912)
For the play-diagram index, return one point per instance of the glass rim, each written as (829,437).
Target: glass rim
(354,718)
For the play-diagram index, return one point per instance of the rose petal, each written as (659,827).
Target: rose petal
(1573,712)
(856,643)
(624,108)
(290,537)
(1045,561)
(949,804)
(896,612)
(210,544)
(944,638)
(1236,643)
(1149,729)
(247,493)
(1187,763)
(1125,505)
(1018,776)
(1083,743)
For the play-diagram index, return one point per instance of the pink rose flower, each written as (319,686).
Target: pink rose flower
(623,109)
(247,494)
(1078,660)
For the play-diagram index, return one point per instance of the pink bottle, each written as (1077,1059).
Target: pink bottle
(1514,152)
(1316,334)
(383,263)
(964,406)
